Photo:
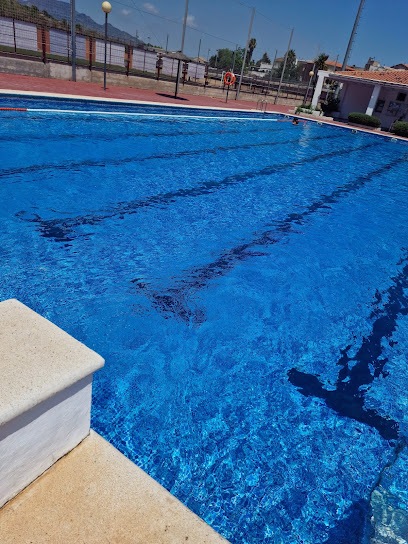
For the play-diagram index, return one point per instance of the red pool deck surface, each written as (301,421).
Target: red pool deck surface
(79,88)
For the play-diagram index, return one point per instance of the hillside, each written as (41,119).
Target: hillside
(57,14)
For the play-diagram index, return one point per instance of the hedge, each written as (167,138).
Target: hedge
(364,119)
(400,128)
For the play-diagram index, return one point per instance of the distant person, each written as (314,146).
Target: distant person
(295,121)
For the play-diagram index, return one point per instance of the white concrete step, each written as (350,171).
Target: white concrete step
(45,395)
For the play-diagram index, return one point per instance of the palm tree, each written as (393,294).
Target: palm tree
(251,47)
(320,62)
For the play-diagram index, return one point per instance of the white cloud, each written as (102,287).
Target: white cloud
(191,21)
(150,7)
(126,12)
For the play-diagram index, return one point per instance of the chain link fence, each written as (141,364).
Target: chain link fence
(45,36)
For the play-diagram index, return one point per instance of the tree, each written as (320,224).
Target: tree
(264,59)
(251,47)
(291,70)
(320,62)
(225,59)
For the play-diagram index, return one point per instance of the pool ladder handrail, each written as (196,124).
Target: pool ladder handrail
(263,104)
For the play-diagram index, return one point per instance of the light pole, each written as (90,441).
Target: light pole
(311,74)
(106,8)
(233,58)
(284,67)
(245,54)
(182,48)
(271,72)
(73,40)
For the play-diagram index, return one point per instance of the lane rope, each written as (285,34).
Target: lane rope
(133,114)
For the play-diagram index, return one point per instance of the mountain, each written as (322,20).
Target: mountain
(61,10)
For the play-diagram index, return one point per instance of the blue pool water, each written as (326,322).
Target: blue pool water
(247,283)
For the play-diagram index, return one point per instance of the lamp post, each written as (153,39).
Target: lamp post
(311,74)
(106,8)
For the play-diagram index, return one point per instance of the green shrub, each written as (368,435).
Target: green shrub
(400,128)
(306,108)
(364,119)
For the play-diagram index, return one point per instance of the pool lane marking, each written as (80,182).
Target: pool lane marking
(133,114)
(354,380)
(111,137)
(173,300)
(126,160)
(147,114)
(61,229)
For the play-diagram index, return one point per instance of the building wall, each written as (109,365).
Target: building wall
(354,97)
(392,109)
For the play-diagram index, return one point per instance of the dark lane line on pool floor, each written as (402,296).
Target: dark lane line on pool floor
(348,399)
(367,364)
(117,162)
(113,137)
(61,230)
(173,301)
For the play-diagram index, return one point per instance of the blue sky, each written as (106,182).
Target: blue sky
(322,25)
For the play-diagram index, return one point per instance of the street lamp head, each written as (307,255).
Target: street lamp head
(311,73)
(106,7)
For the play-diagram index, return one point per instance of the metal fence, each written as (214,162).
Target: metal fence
(48,39)
(39,41)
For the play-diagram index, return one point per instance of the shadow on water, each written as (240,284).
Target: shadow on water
(358,372)
(354,379)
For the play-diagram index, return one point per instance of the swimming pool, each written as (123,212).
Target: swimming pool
(246,281)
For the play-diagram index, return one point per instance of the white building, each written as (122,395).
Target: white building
(383,94)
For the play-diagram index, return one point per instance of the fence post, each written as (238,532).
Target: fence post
(68,45)
(14,34)
(44,48)
(128,59)
(90,53)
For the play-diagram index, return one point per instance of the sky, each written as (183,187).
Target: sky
(319,26)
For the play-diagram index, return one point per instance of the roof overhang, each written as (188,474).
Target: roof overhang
(352,79)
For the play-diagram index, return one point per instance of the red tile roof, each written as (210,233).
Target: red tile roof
(398,77)
(338,64)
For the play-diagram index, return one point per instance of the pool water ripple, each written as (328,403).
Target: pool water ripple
(246,282)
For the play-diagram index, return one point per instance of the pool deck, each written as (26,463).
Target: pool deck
(95,495)
(93,90)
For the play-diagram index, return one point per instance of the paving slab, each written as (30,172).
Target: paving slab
(95,495)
